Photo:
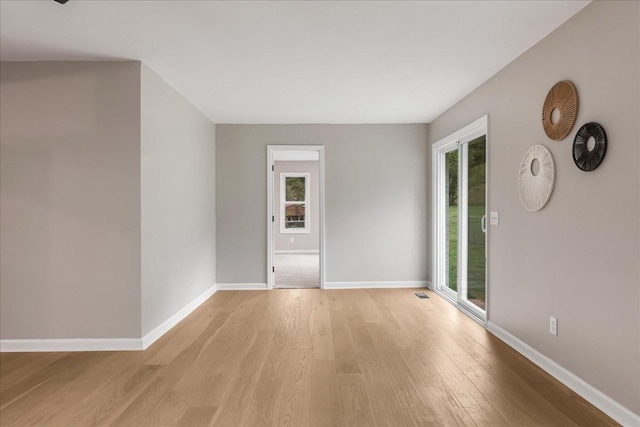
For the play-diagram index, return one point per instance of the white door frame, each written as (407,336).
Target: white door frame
(446,144)
(271,149)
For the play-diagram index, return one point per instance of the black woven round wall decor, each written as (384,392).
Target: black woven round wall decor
(587,160)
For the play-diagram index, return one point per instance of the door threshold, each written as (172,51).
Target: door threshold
(471,313)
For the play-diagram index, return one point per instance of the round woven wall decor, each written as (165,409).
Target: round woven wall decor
(564,97)
(535,190)
(589,160)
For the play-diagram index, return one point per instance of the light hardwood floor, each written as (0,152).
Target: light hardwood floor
(299,357)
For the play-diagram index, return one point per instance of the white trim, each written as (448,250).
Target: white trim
(296,251)
(487,234)
(378,285)
(105,344)
(475,125)
(70,344)
(172,321)
(606,404)
(270,215)
(242,286)
(271,150)
(323,222)
(296,156)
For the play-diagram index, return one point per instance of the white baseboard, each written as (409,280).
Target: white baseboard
(104,344)
(376,285)
(70,344)
(591,394)
(242,286)
(296,251)
(172,321)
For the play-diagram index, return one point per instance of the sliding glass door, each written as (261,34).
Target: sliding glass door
(451,214)
(460,218)
(473,185)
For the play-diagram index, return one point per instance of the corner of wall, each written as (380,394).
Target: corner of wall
(177,188)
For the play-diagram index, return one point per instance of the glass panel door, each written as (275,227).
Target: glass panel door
(460,218)
(476,221)
(451,220)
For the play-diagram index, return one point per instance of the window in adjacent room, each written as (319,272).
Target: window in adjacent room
(294,202)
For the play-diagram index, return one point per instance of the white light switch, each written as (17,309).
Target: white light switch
(291,240)
(494,218)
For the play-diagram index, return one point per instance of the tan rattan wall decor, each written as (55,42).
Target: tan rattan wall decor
(564,97)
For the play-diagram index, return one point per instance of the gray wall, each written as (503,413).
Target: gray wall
(578,258)
(178,199)
(301,241)
(69,200)
(376,179)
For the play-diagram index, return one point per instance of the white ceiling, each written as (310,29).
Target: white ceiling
(294,62)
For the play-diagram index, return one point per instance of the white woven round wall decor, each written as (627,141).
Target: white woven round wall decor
(535,190)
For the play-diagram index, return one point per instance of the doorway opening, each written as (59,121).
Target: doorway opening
(460,218)
(295,208)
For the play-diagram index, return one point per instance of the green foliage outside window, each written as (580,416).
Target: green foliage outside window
(295,189)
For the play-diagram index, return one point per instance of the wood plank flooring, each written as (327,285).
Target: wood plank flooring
(297,357)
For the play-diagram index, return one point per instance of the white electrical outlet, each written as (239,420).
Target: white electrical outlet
(291,240)
(553,326)
(494,218)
